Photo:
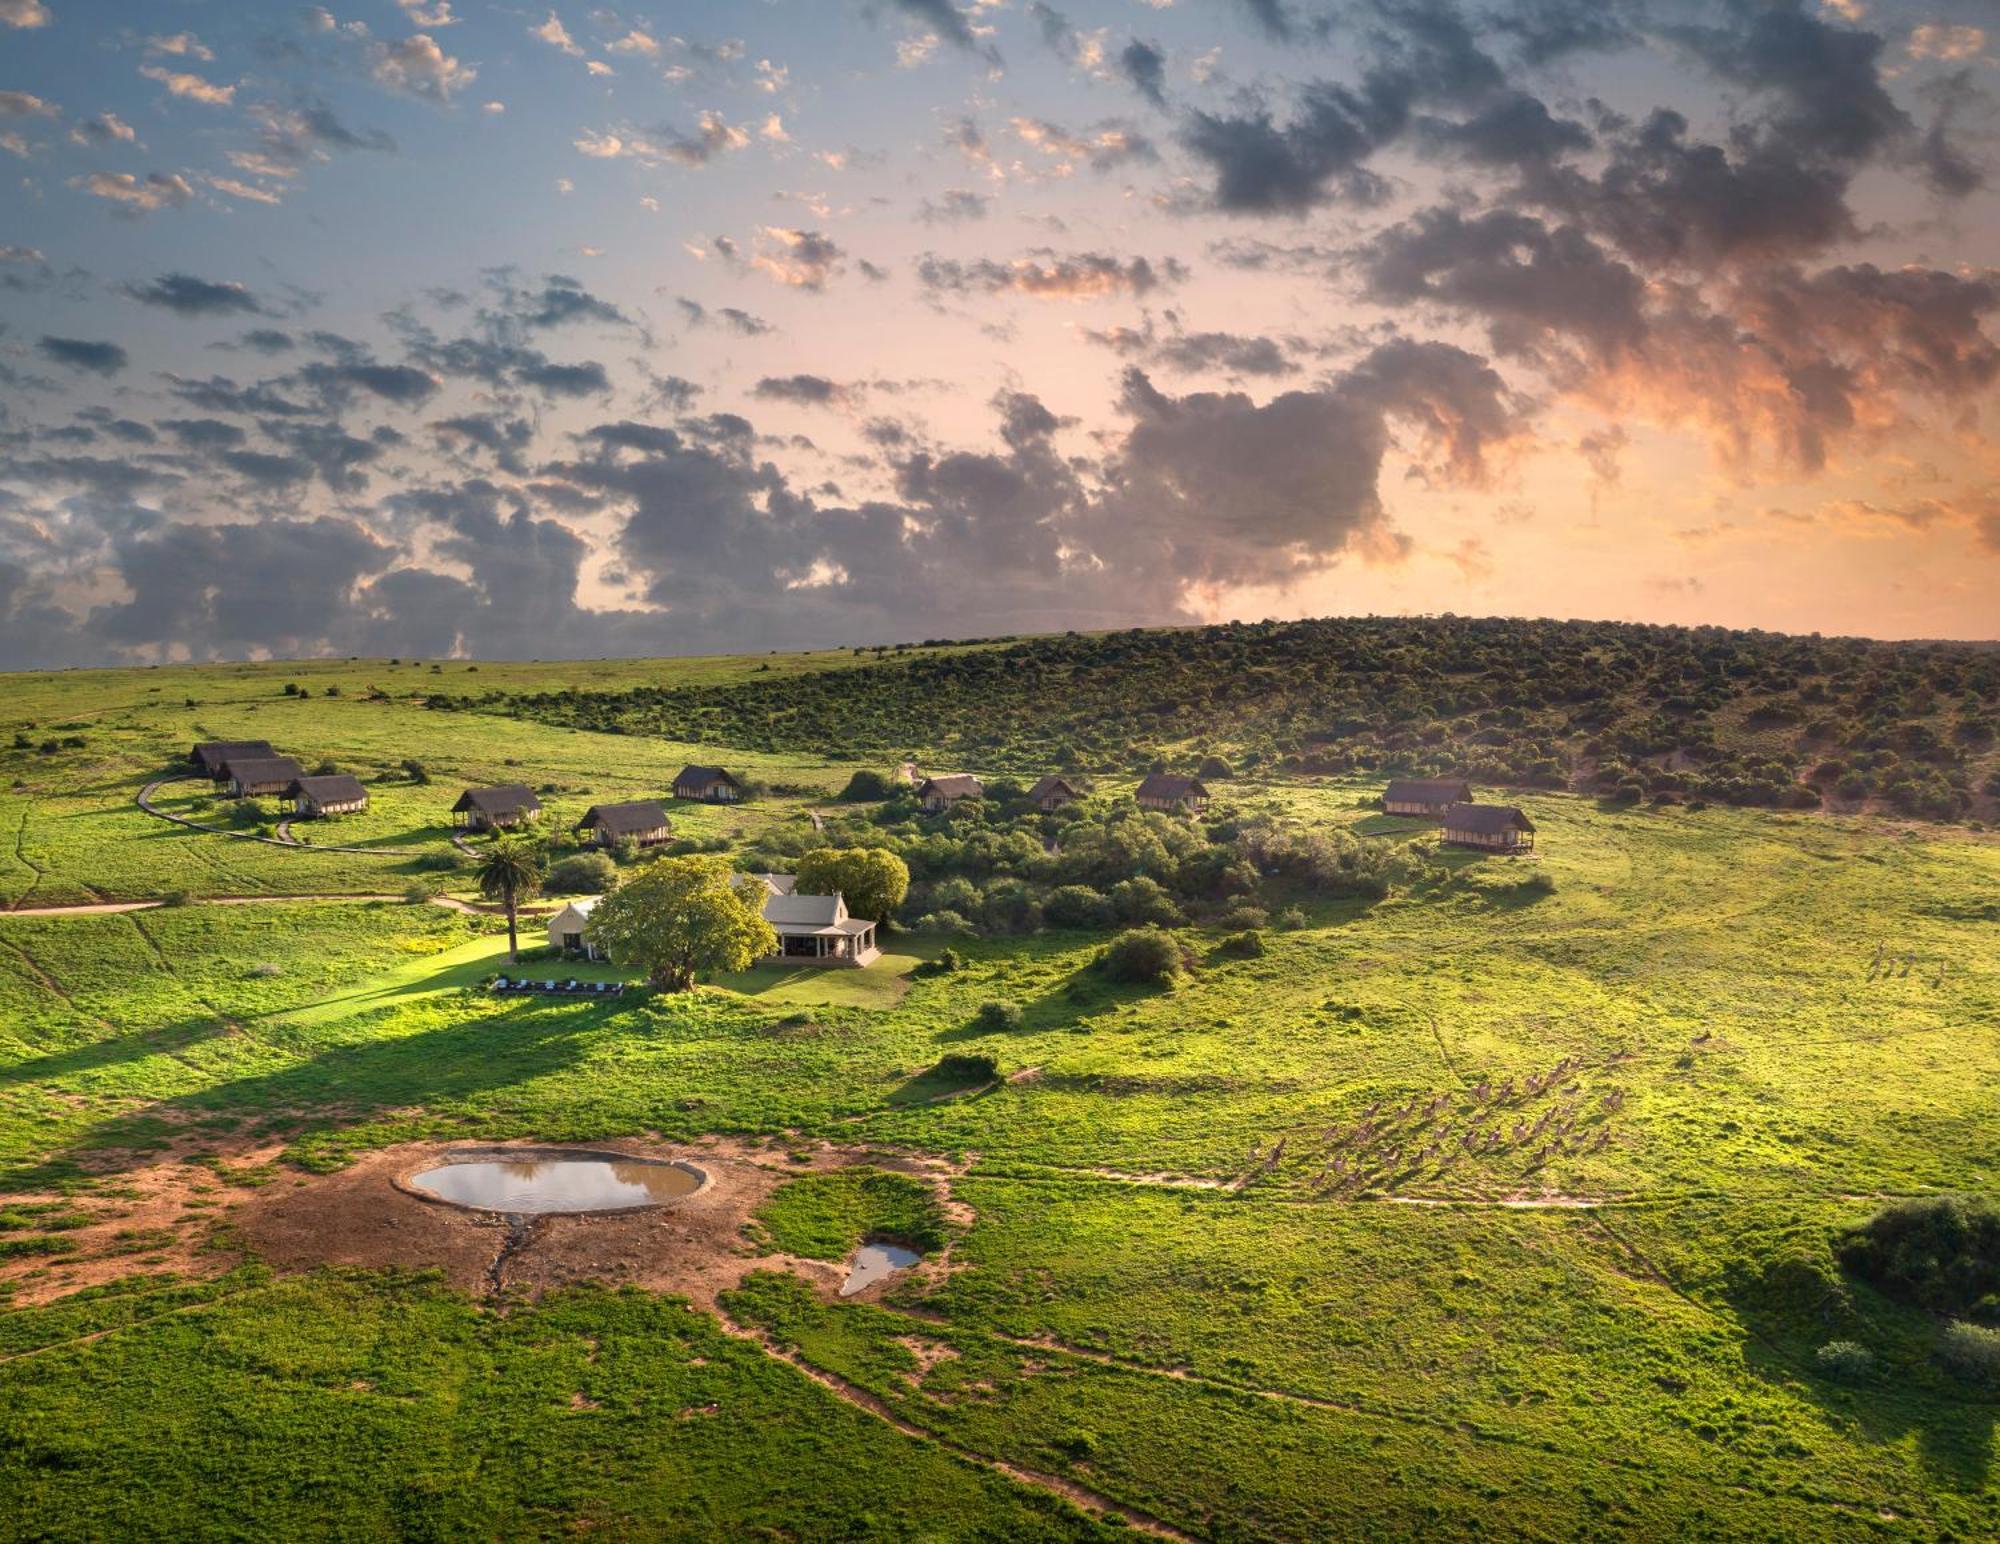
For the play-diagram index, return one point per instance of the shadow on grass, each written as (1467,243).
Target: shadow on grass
(344,1084)
(114,1050)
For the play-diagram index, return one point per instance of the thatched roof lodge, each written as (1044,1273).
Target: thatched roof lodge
(941,793)
(1170,792)
(335,793)
(212,756)
(1489,827)
(1053,792)
(252,777)
(1430,796)
(815,929)
(710,785)
(642,820)
(492,809)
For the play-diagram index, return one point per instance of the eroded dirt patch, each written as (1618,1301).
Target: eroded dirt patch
(695,1247)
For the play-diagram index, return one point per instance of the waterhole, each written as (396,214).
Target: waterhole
(575,1182)
(872,1262)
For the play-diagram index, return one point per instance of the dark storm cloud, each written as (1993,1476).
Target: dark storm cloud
(1145,67)
(100,358)
(1545,30)
(204,434)
(187,295)
(1515,129)
(1526,280)
(505,438)
(279,585)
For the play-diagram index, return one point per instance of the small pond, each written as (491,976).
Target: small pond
(575,1182)
(873,1262)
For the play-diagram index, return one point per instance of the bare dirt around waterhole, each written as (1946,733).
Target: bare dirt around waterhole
(697,1247)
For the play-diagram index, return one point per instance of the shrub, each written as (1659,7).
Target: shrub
(1242,912)
(1941,1253)
(177,898)
(416,771)
(419,892)
(1292,918)
(1078,906)
(1143,902)
(1143,955)
(1845,1361)
(969,1066)
(997,1017)
(584,873)
(1971,1352)
(947,961)
(944,922)
(867,786)
(266,968)
(1247,945)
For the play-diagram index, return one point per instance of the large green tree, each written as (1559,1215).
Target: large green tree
(679,916)
(873,880)
(511,872)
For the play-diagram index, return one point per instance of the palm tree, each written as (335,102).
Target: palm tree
(511,873)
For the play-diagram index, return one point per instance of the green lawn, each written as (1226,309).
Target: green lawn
(1775,1020)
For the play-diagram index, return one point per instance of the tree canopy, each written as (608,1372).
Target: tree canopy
(872,880)
(680,917)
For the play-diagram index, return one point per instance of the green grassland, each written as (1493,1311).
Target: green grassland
(1777,1020)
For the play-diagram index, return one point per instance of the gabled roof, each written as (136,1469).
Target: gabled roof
(212,754)
(952,785)
(701,777)
(264,769)
(779,884)
(333,788)
(1429,790)
(1486,819)
(503,799)
(804,911)
(630,819)
(1170,785)
(1054,783)
(578,908)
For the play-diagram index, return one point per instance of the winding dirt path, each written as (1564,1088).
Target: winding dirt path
(110,908)
(284,838)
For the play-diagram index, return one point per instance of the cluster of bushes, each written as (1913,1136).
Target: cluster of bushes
(1940,1255)
(1508,701)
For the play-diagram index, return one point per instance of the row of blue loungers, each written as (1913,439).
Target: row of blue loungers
(571,987)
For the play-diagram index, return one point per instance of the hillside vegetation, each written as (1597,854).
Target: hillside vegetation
(1626,710)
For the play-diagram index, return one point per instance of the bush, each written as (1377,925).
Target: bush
(177,898)
(1247,945)
(1078,906)
(416,771)
(1941,1254)
(1144,902)
(969,1066)
(947,961)
(997,1017)
(1971,1352)
(1845,1361)
(944,922)
(1242,912)
(866,786)
(1292,918)
(1142,955)
(419,892)
(584,873)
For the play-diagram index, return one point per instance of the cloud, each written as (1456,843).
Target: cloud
(1941,40)
(186,295)
(418,67)
(713,136)
(1103,147)
(24,13)
(137,195)
(954,206)
(587,379)
(23,104)
(404,385)
(556,35)
(84,354)
(1144,66)
(1189,353)
(942,19)
(1046,275)
(805,391)
(800,259)
(104,129)
(735,319)
(189,88)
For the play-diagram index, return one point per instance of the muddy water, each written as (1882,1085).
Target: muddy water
(872,1262)
(539,1185)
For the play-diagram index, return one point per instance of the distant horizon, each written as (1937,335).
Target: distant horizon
(970,641)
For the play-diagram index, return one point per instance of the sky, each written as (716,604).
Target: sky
(455,328)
